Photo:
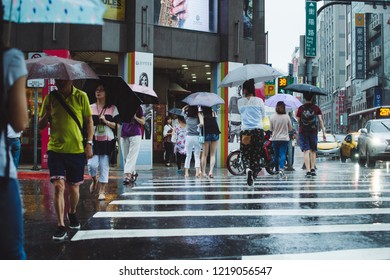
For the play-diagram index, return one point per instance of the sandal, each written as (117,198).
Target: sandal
(93,186)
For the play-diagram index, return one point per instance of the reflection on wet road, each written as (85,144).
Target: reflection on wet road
(341,214)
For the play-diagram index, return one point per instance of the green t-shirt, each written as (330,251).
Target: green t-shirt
(65,135)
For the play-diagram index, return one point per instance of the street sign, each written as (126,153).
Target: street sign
(39,83)
(311,29)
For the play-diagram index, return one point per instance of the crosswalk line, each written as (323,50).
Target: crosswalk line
(249,212)
(224,231)
(353,254)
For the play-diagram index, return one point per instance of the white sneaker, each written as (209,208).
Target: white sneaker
(282,175)
(102,196)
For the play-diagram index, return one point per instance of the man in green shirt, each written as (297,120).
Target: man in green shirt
(66,154)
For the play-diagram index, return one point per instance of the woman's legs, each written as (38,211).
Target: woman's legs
(93,164)
(132,155)
(276,147)
(203,162)
(213,150)
(104,166)
(191,142)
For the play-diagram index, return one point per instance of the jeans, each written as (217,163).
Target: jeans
(15,146)
(280,148)
(11,221)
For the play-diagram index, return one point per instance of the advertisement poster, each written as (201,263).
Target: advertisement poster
(247,18)
(234,117)
(199,15)
(115,10)
(143,75)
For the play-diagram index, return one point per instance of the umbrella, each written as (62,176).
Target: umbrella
(306,88)
(290,101)
(124,98)
(53,67)
(176,111)
(56,11)
(207,99)
(146,94)
(258,72)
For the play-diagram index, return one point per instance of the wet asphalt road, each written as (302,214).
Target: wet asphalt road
(343,213)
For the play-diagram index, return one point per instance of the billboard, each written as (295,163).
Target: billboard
(200,15)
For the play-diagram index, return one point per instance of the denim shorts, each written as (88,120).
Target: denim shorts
(308,141)
(211,137)
(66,166)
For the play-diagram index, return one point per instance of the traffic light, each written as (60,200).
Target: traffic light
(283,82)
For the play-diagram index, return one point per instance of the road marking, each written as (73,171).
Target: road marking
(283,192)
(250,201)
(249,212)
(224,231)
(353,254)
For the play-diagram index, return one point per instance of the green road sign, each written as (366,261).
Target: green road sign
(311,29)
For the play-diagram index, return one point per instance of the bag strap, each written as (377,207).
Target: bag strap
(67,109)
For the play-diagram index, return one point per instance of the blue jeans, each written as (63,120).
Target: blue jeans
(15,146)
(11,221)
(280,148)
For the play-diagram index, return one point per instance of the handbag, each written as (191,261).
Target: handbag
(201,136)
(72,114)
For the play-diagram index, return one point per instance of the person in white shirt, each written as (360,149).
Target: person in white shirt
(252,135)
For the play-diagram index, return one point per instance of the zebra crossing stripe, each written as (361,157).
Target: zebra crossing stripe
(353,254)
(166,193)
(259,213)
(250,201)
(225,231)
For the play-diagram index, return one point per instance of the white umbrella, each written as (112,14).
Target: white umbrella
(258,72)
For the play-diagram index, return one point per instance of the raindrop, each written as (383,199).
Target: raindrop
(34,10)
(81,9)
(66,11)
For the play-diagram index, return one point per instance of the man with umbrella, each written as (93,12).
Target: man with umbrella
(66,152)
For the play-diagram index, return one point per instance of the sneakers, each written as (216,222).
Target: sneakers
(73,221)
(308,174)
(249,178)
(281,174)
(134,176)
(102,196)
(313,172)
(60,233)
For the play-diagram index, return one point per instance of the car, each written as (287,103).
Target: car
(349,147)
(374,142)
(328,148)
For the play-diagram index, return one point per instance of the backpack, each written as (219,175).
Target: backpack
(308,119)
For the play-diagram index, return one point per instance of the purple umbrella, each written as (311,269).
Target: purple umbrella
(290,101)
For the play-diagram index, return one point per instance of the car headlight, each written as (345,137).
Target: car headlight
(376,141)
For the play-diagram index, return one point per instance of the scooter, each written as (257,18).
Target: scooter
(235,166)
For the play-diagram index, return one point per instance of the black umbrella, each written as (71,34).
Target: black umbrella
(118,92)
(306,88)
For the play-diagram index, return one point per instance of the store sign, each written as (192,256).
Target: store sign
(200,15)
(359,47)
(311,29)
(115,10)
(384,112)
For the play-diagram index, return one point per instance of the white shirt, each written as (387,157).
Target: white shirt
(252,112)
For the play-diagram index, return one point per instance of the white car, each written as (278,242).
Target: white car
(374,142)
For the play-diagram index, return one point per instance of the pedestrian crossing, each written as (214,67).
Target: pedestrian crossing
(339,217)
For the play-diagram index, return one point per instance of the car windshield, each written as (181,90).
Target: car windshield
(382,126)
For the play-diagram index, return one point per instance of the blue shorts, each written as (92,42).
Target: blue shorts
(308,141)
(66,166)
(211,137)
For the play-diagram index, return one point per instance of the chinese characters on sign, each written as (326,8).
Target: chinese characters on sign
(360,54)
(311,29)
